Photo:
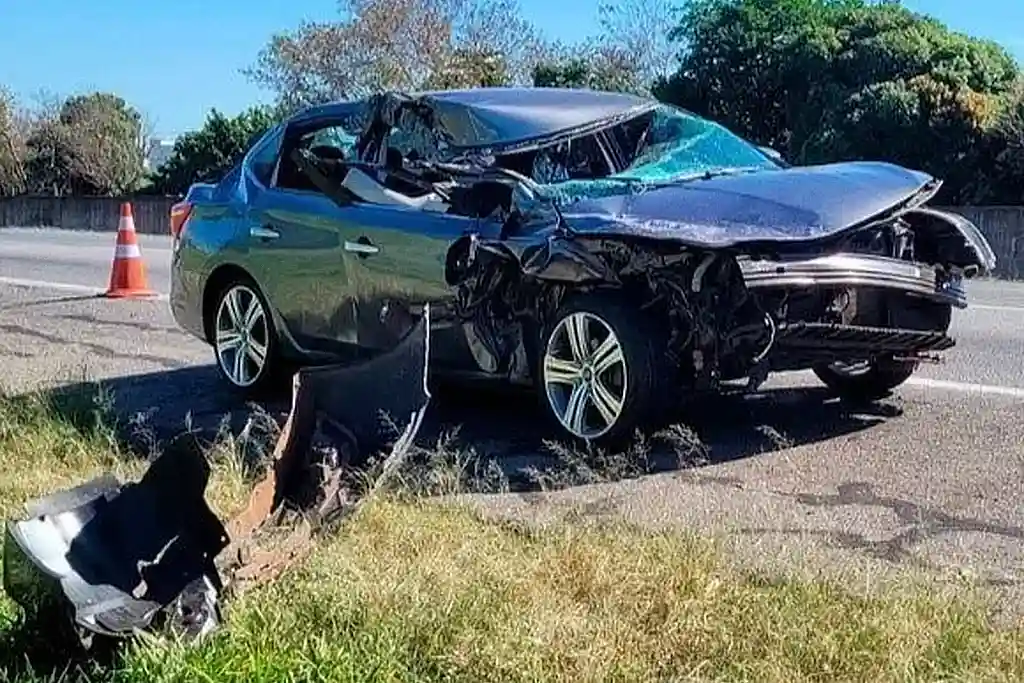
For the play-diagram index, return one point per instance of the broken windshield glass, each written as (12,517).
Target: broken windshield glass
(665,145)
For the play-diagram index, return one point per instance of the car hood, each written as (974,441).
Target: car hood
(792,204)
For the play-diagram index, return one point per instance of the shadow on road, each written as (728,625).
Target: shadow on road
(506,427)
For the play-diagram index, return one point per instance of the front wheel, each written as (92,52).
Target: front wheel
(601,369)
(244,340)
(870,380)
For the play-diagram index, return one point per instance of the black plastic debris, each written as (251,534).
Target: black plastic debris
(122,558)
(119,557)
(340,417)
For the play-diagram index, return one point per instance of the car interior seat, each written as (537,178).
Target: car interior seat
(363,185)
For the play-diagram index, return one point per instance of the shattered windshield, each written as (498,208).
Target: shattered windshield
(665,145)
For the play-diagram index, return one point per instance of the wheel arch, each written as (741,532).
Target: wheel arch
(219,278)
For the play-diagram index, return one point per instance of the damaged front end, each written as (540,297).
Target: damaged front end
(742,283)
(112,559)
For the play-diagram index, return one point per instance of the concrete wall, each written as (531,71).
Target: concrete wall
(86,213)
(1002,225)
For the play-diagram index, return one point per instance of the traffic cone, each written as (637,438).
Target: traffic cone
(128,272)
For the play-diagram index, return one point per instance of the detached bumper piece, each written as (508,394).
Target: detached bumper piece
(121,558)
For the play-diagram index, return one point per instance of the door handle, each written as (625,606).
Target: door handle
(263,233)
(363,247)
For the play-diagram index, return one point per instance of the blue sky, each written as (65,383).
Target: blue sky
(176,60)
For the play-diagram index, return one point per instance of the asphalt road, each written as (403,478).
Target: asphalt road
(931,480)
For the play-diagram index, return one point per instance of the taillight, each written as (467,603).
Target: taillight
(179,214)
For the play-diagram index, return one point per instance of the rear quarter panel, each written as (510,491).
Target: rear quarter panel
(213,237)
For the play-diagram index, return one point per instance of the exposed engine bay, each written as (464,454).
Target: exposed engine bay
(717,326)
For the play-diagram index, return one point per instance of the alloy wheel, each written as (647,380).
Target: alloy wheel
(585,375)
(242,339)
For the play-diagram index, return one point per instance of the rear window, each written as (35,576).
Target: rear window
(228,183)
(263,158)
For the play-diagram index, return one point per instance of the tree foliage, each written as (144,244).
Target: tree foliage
(819,80)
(91,144)
(206,154)
(13,134)
(400,44)
(628,53)
(600,71)
(825,80)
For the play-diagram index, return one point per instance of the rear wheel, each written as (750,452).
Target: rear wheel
(601,370)
(244,341)
(868,380)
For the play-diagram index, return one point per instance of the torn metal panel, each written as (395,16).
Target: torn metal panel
(501,120)
(341,415)
(117,555)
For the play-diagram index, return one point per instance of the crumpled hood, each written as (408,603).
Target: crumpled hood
(794,204)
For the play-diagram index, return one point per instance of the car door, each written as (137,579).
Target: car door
(296,248)
(395,257)
(395,260)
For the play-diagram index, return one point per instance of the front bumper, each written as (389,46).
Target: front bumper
(856,270)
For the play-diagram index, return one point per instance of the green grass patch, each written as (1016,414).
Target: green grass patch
(410,589)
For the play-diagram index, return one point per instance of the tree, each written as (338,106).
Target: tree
(93,144)
(998,177)
(636,32)
(206,154)
(599,70)
(399,44)
(824,80)
(471,67)
(631,49)
(13,134)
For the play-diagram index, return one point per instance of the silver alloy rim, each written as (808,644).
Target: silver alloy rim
(242,338)
(585,375)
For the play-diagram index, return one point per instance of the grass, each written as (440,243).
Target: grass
(410,589)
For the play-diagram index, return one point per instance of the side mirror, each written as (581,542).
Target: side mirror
(773,153)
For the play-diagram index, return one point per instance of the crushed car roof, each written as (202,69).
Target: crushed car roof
(486,117)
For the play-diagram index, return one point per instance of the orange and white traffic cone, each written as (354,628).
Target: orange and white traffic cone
(128,272)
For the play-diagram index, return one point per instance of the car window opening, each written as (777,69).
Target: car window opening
(398,165)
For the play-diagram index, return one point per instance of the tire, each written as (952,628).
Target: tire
(635,375)
(251,376)
(875,380)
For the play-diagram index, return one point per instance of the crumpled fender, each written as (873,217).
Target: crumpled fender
(548,256)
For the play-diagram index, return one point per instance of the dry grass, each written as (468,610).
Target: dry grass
(414,590)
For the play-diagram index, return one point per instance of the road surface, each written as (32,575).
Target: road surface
(932,479)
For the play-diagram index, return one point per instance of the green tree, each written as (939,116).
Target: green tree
(824,80)
(630,50)
(205,155)
(94,145)
(600,70)
(999,175)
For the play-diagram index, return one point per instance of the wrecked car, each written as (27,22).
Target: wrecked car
(615,253)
